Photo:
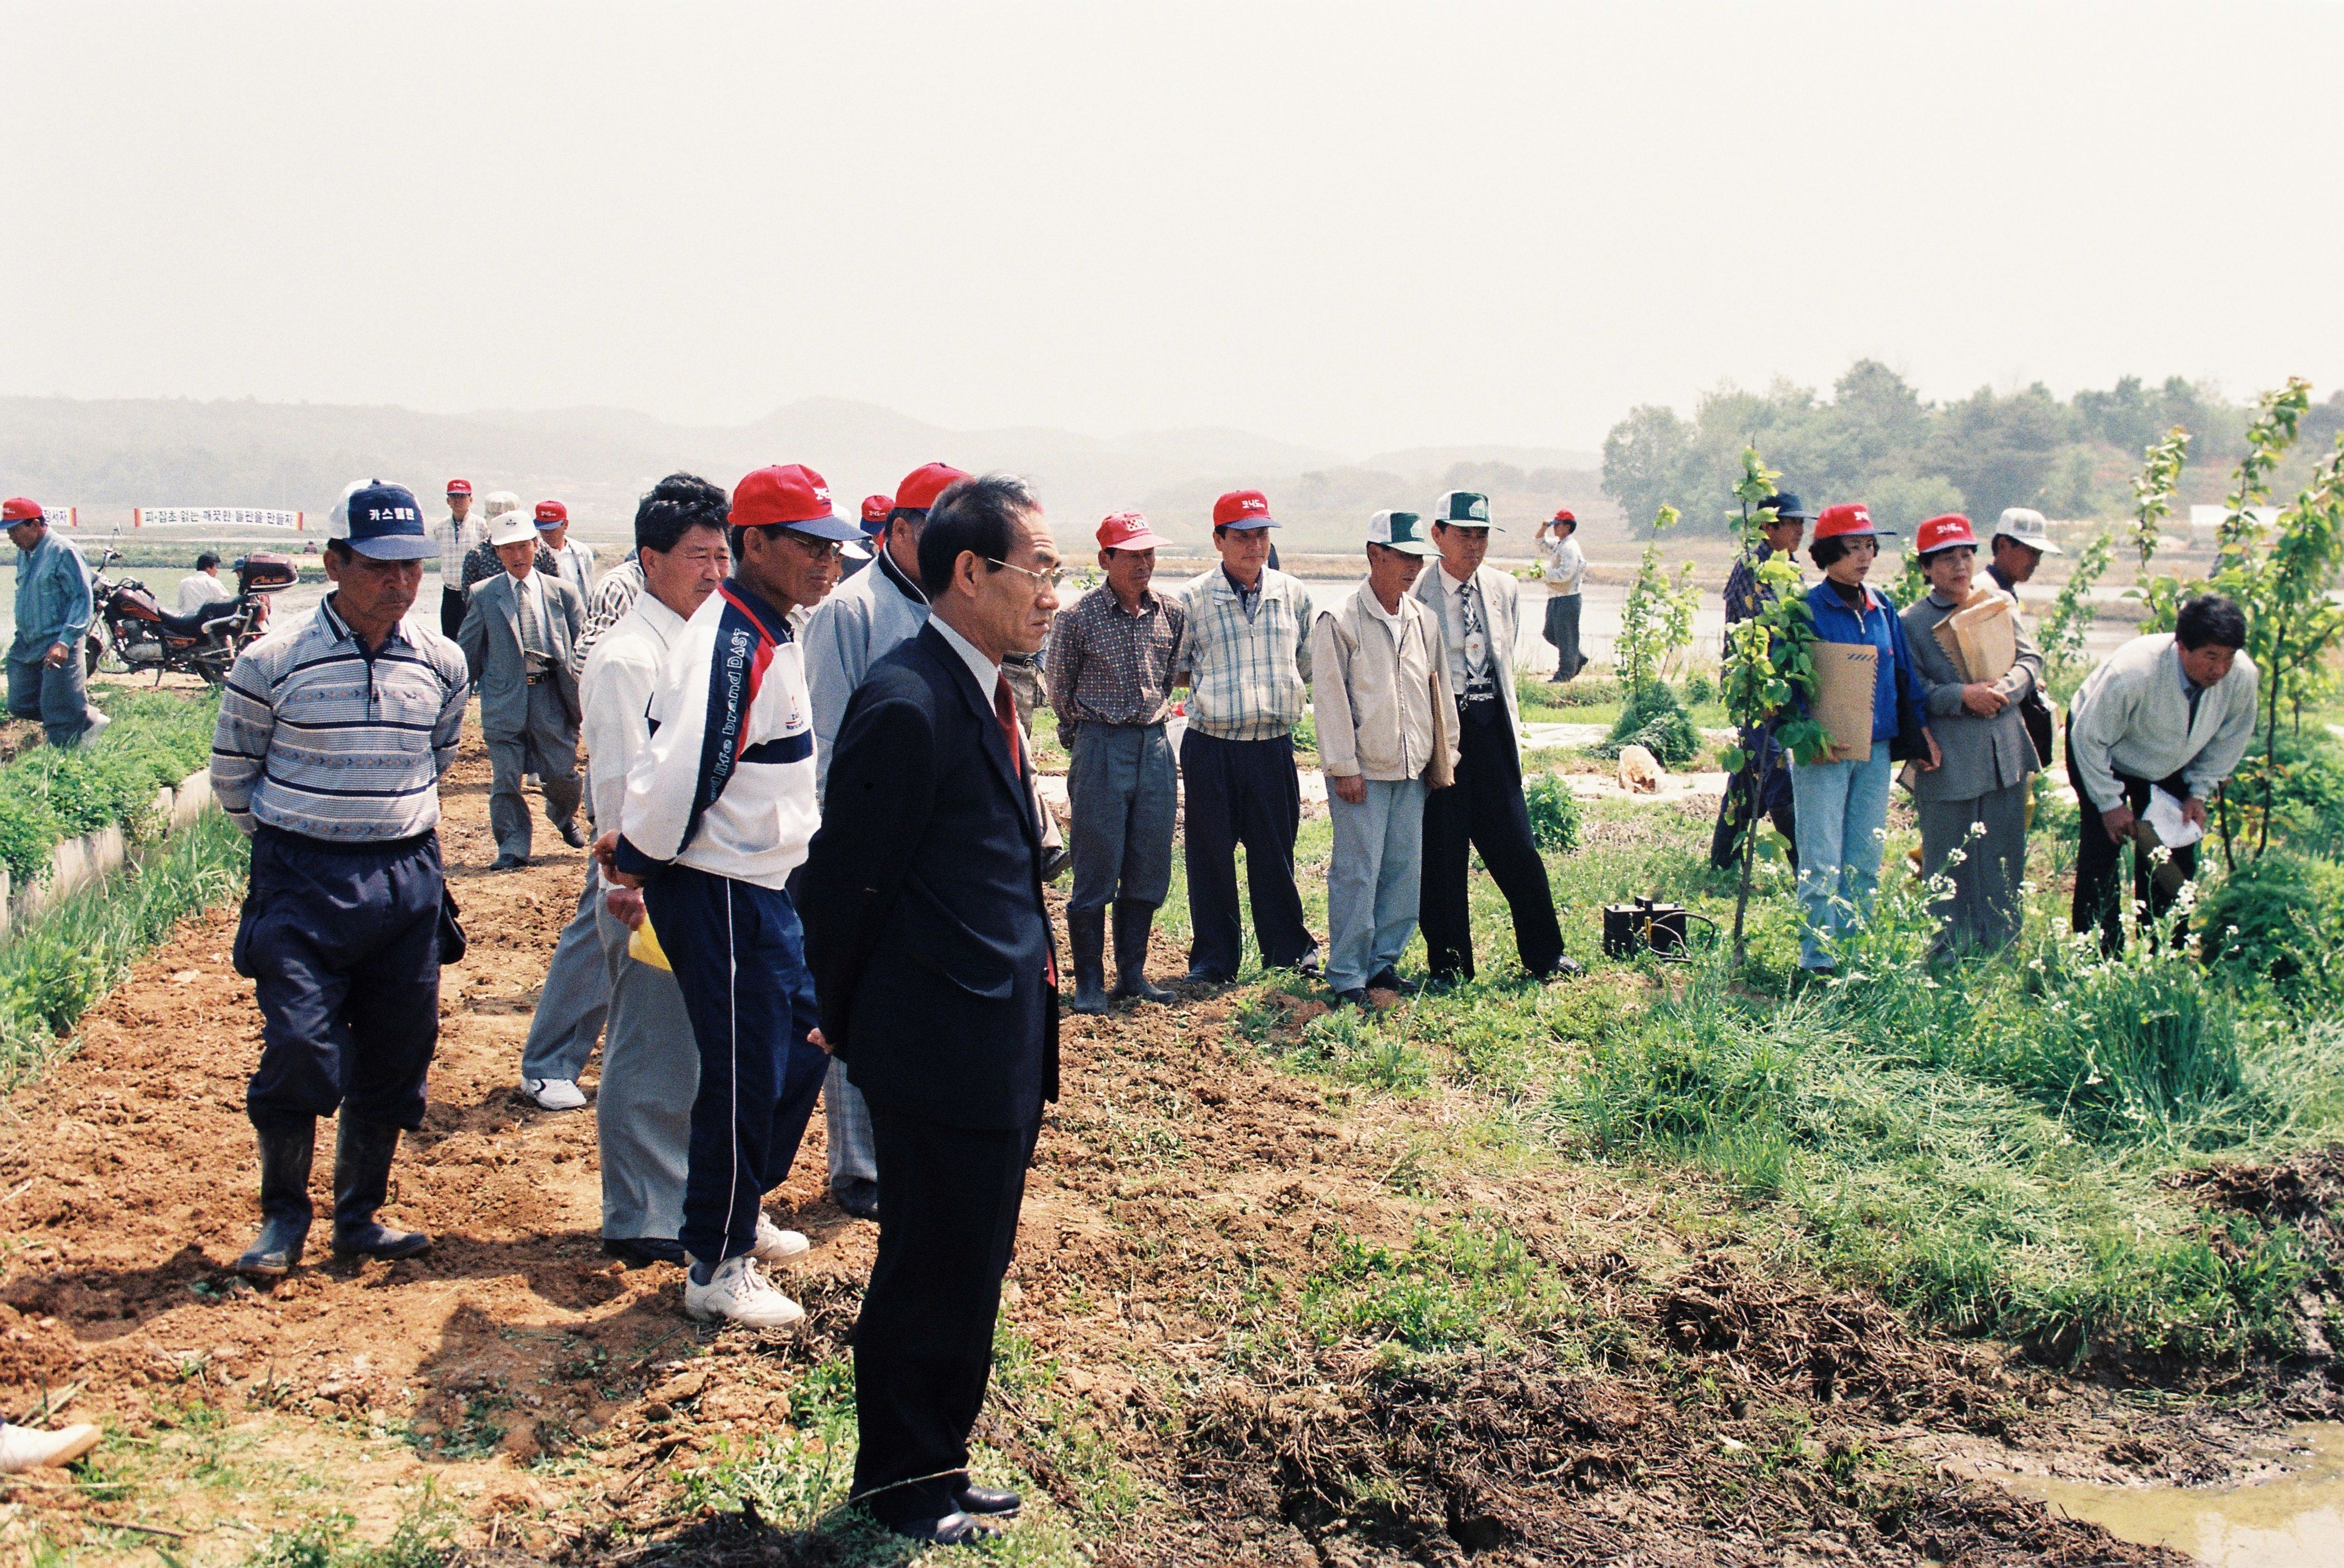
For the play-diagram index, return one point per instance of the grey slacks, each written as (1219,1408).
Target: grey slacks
(1375,880)
(548,748)
(1983,907)
(642,1112)
(1122,789)
(577,994)
(852,1157)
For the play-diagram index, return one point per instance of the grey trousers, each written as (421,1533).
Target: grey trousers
(1374,880)
(852,1157)
(1983,907)
(642,1112)
(57,694)
(1122,789)
(548,748)
(577,994)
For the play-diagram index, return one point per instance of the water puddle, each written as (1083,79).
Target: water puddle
(2293,1520)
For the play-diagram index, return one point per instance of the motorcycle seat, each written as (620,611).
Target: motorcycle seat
(193,625)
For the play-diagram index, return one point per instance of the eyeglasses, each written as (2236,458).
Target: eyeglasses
(1050,579)
(821,548)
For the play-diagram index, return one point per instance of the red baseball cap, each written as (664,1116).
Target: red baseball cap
(460,487)
(1848,519)
(1947,532)
(1562,514)
(1129,530)
(792,496)
(18,508)
(551,513)
(875,509)
(924,484)
(1242,508)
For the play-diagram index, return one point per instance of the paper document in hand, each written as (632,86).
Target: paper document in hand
(1951,642)
(1989,638)
(2164,817)
(1847,675)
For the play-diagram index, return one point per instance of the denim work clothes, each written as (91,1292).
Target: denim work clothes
(1842,811)
(1123,789)
(342,943)
(57,694)
(1374,881)
(739,959)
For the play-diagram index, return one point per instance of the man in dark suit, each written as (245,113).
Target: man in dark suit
(931,952)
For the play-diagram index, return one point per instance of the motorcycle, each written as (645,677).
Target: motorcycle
(140,634)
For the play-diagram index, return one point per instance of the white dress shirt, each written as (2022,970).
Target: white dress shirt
(616,692)
(987,672)
(199,589)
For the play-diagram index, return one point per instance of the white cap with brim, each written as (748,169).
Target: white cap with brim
(2027,526)
(513,528)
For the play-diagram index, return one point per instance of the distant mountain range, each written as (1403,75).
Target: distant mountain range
(106,456)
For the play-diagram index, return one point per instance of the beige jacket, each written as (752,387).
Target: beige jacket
(1384,709)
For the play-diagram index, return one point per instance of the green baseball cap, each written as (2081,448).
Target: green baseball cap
(1400,530)
(1462,509)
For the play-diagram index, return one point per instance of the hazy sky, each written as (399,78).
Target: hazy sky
(1361,226)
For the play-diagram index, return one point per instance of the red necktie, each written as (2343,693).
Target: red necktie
(1005,710)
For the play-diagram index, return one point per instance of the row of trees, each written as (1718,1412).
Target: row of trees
(1874,439)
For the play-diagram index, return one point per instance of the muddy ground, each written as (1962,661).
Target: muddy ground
(536,1402)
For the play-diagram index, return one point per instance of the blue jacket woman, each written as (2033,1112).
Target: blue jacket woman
(1843,806)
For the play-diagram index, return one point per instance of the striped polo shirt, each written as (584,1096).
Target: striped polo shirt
(318,737)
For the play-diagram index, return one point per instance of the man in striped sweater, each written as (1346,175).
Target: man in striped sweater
(333,735)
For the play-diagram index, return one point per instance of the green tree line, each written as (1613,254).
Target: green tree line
(1876,440)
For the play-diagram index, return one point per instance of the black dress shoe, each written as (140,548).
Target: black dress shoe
(1565,969)
(1388,979)
(859,1199)
(955,1528)
(572,835)
(507,862)
(1357,998)
(1198,975)
(643,1251)
(994,1500)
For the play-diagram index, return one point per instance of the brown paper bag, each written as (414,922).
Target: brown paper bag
(1988,637)
(1951,643)
(1847,676)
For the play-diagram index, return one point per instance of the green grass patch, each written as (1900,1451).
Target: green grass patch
(56,966)
(47,796)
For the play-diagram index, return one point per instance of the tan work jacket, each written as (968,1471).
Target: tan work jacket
(1383,704)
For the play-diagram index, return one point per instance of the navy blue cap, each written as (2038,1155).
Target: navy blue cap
(832,527)
(384,524)
(1786,507)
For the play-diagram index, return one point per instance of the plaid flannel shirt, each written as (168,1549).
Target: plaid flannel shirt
(1110,668)
(1246,677)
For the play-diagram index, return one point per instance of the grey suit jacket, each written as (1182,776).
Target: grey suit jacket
(1498,602)
(490,638)
(1982,756)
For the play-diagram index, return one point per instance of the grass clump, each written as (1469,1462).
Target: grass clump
(1453,1288)
(1655,719)
(47,794)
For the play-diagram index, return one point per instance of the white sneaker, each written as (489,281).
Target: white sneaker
(775,1245)
(553,1094)
(738,1293)
(29,1447)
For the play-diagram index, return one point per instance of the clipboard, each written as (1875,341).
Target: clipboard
(1847,676)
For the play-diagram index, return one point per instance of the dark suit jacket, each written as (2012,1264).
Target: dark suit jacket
(921,898)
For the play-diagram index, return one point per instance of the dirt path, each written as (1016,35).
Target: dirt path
(1186,1192)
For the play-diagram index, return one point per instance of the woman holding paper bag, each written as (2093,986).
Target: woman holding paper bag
(1977,665)
(1864,671)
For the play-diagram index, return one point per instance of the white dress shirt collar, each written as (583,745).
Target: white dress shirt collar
(987,672)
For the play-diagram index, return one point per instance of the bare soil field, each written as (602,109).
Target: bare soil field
(531,1400)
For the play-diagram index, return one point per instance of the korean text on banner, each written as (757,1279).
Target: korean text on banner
(214,516)
(1847,676)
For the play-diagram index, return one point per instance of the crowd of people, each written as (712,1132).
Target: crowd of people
(819,847)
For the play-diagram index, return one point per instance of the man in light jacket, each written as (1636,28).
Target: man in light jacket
(2175,712)
(1975,801)
(1387,738)
(1475,606)
(865,618)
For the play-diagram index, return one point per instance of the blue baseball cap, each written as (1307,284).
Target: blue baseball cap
(383,522)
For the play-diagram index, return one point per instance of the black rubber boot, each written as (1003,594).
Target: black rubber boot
(1086,934)
(1132,921)
(361,1178)
(287,1147)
